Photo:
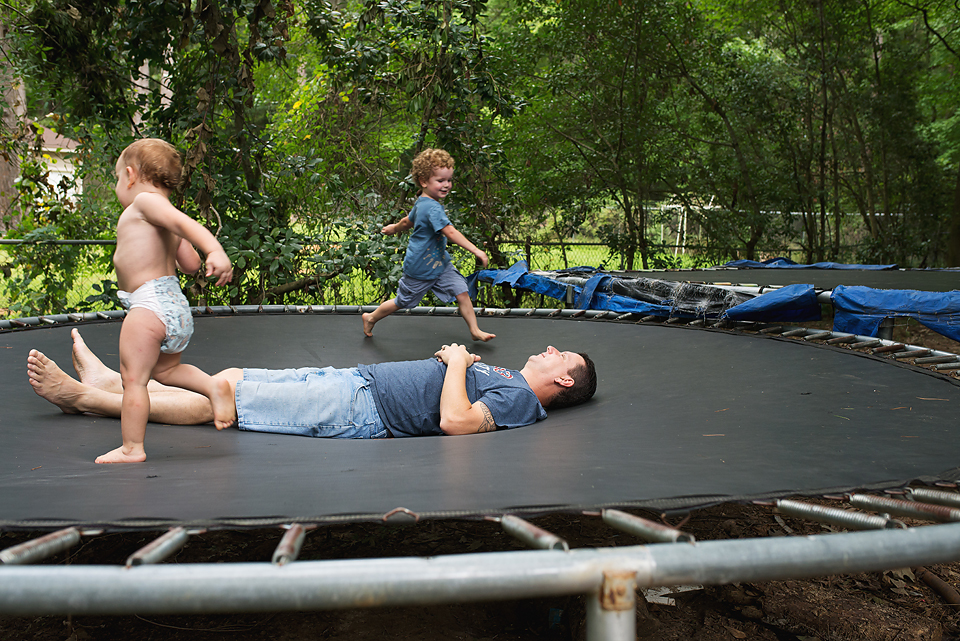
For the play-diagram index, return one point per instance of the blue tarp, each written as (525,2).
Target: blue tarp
(601,291)
(860,310)
(786,263)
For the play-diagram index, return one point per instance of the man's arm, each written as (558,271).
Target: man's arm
(457,414)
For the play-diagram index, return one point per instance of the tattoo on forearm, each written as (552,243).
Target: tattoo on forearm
(488,425)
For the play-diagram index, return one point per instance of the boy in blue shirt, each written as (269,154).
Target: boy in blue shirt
(427,266)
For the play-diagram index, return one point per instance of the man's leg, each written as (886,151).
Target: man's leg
(170,406)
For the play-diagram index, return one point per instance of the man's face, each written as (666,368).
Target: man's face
(554,362)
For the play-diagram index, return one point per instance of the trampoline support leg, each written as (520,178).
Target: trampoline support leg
(612,611)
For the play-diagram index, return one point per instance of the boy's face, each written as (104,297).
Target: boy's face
(439,184)
(125,180)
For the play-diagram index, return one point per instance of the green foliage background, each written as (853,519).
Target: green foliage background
(742,130)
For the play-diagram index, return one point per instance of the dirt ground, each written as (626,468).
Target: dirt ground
(896,605)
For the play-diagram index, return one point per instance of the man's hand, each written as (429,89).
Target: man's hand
(457,354)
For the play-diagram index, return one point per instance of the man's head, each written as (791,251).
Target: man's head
(561,379)
(155,161)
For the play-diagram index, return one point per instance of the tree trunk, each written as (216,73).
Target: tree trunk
(14,100)
(953,241)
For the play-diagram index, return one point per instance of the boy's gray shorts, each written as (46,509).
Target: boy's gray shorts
(447,287)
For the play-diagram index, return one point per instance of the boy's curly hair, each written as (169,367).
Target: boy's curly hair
(157,161)
(426,161)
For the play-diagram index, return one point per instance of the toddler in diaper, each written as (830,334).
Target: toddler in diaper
(154,238)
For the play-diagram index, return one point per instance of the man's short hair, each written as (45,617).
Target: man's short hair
(583,388)
(157,162)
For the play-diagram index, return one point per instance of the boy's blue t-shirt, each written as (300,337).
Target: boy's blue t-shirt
(407,394)
(427,255)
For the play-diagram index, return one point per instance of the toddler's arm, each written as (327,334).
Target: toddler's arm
(403,225)
(455,237)
(157,210)
(188,260)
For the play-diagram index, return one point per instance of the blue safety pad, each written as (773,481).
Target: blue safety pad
(786,263)
(861,310)
(793,303)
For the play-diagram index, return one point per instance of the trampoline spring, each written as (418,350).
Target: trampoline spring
(950,499)
(948,366)
(817,336)
(644,528)
(930,360)
(289,547)
(906,508)
(673,320)
(39,549)
(623,316)
(776,329)
(555,312)
(532,535)
(800,331)
(836,516)
(914,353)
(579,313)
(839,340)
(886,349)
(696,323)
(48,320)
(102,316)
(647,318)
(866,344)
(160,548)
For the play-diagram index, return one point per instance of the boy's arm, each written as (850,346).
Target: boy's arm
(402,225)
(455,237)
(457,414)
(157,210)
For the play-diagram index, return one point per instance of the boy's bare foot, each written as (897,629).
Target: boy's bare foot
(52,384)
(368,324)
(224,403)
(119,455)
(481,335)
(91,369)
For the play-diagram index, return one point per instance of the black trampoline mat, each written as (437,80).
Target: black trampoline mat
(822,279)
(682,417)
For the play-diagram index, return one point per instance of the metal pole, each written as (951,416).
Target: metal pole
(612,610)
(329,585)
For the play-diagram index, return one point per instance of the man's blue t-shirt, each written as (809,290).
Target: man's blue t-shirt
(427,255)
(407,394)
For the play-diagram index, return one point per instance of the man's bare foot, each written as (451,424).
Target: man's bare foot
(120,455)
(224,403)
(91,369)
(52,384)
(368,324)
(481,335)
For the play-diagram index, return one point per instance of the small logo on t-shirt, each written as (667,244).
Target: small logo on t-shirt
(503,372)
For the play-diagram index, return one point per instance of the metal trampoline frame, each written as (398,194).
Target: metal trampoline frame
(608,578)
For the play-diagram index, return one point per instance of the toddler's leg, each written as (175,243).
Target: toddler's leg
(170,371)
(140,338)
(370,318)
(469,315)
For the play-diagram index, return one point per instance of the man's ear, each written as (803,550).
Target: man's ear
(564,381)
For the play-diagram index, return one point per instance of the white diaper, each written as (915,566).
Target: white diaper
(163,297)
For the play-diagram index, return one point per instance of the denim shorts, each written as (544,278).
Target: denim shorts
(323,403)
(447,286)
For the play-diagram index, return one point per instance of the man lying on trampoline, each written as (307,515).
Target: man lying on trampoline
(452,393)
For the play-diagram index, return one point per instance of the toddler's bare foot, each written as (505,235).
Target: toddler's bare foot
(224,404)
(50,383)
(368,324)
(481,335)
(120,455)
(91,369)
